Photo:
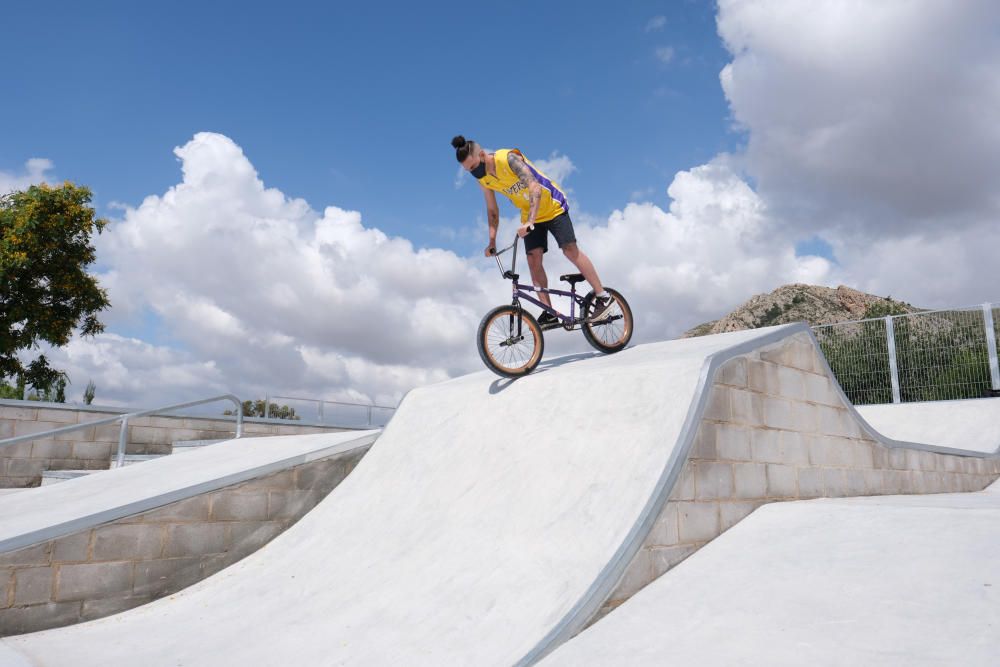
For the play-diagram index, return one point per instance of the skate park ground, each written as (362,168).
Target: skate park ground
(714,500)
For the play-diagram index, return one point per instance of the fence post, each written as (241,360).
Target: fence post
(321,412)
(890,338)
(267,406)
(122,443)
(991,344)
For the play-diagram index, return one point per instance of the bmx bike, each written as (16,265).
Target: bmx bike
(510,340)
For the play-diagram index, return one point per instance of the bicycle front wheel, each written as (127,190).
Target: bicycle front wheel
(613,333)
(506,347)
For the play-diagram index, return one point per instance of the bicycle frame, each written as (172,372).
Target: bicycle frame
(521,291)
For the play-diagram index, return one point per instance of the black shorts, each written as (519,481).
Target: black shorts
(561,227)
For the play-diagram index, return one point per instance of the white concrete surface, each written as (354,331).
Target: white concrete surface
(481,523)
(969,424)
(60,509)
(485,526)
(890,580)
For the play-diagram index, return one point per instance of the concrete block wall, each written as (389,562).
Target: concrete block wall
(121,564)
(775,428)
(21,465)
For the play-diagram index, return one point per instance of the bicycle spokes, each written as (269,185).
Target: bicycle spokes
(613,332)
(510,342)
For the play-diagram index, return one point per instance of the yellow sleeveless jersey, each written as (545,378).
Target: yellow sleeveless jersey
(553,202)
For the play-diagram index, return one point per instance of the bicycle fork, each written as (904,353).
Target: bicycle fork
(518,337)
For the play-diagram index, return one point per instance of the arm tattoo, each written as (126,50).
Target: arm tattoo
(528,180)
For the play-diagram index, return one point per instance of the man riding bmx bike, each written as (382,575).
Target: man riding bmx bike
(544,210)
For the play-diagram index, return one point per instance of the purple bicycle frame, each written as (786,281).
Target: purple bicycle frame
(521,290)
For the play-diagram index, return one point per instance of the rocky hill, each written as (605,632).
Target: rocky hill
(803,303)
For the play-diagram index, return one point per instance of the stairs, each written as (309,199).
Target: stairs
(179,446)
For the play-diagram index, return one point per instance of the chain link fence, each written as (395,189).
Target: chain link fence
(928,356)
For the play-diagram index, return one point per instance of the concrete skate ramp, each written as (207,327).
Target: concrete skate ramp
(891,580)
(49,512)
(488,522)
(970,424)
(486,526)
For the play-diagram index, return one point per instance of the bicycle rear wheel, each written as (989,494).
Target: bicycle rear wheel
(502,349)
(611,334)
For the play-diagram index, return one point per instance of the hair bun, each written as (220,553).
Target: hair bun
(458,141)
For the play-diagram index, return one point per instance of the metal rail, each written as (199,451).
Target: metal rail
(319,406)
(123,434)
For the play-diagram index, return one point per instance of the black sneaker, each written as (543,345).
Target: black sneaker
(601,309)
(548,321)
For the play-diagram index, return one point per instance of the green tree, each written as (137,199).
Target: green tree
(89,392)
(887,307)
(45,290)
(10,391)
(939,356)
(258,408)
(54,393)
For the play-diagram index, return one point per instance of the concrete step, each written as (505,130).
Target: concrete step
(56,476)
(181,446)
(132,459)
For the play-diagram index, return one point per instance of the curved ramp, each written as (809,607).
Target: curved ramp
(48,512)
(489,522)
(897,580)
(483,522)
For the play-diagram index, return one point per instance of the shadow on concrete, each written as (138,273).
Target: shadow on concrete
(500,384)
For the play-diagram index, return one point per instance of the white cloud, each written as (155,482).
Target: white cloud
(866,124)
(876,117)
(557,167)
(713,249)
(261,284)
(128,371)
(262,294)
(461,177)
(872,124)
(640,195)
(34,173)
(665,54)
(656,23)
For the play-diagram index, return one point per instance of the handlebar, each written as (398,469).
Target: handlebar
(513,262)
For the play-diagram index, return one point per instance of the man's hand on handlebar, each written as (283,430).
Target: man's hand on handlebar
(523,230)
(491,250)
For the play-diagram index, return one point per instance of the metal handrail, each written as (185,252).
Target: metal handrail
(124,430)
(321,402)
(120,458)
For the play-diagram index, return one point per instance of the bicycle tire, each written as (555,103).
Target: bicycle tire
(609,336)
(494,335)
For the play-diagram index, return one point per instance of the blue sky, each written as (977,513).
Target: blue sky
(718,151)
(355,104)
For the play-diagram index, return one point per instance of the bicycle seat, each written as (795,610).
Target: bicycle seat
(572,278)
